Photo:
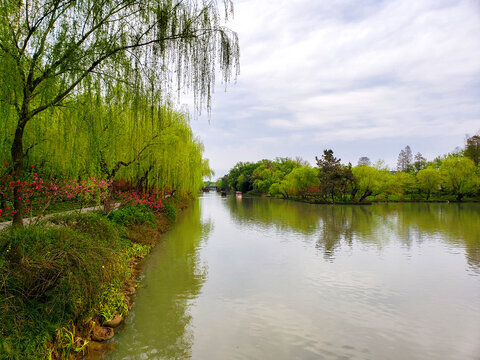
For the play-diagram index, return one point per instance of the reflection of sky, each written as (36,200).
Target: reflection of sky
(404,294)
(364,78)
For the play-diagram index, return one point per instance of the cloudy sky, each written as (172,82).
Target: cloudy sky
(364,78)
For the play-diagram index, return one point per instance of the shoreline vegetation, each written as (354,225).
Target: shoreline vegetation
(454,177)
(66,283)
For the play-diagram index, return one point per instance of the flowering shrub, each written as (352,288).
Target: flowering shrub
(152,201)
(38,194)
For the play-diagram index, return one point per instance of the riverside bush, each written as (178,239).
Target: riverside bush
(170,211)
(130,215)
(53,274)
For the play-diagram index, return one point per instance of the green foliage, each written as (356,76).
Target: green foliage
(111,302)
(69,343)
(460,176)
(301,179)
(454,174)
(370,181)
(170,211)
(259,176)
(405,183)
(472,148)
(130,215)
(53,275)
(429,180)
(334,177)
(84,92)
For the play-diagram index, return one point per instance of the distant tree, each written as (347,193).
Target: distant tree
(459,176)
(364,160)
(472,148)
(380,164)
(405,159)
(279,189)
(240,177)
(222,183)
(301,179)
(428,181)
(405,183)
(420,162)
(370,181)
(334,177)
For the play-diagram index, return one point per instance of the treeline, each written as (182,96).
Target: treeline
(454,176)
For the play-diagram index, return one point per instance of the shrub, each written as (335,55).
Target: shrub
(130,215)
(169,211)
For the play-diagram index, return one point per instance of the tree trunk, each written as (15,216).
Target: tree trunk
(365,195)
(17,157)
(460,196)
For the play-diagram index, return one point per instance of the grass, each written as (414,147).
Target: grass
(69,271)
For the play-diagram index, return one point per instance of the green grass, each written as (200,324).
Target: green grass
(64,272)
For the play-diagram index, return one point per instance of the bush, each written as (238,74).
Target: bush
(130,215)
(169,211)
(51,275)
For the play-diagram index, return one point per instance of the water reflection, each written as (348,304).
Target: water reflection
(391,282)
(173,277)
(375,225)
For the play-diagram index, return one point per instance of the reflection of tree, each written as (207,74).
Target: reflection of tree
(379,224)
(336,225)
(282,214)
(174,277)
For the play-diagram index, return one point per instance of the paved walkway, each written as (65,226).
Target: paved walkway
(33,220)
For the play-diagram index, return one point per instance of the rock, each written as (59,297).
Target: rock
(97,350)
(113,323)
(129,303)
(101,333)
(129,290)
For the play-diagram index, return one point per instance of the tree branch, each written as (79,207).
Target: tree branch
(119,164)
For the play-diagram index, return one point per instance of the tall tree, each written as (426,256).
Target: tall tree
(420,162)
(364,160)
(370,181)
(51,49)
(404,161)
(334,178)
(472,148)
(459,176)
(428,181)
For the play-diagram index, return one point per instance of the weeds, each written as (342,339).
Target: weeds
(68,342)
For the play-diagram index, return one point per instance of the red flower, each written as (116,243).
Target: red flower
(8,208)
(31,166)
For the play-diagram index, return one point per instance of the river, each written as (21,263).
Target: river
(257,278)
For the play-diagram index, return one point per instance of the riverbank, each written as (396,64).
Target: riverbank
(61,281)
(369,200)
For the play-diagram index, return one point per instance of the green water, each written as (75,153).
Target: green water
(269,279)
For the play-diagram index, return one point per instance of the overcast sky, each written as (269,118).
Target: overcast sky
(364,78)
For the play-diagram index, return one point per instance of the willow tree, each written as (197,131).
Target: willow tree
(150,146)
(50,48)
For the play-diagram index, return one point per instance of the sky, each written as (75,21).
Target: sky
(363,78)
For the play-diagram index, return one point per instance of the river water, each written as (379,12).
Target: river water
(260,278)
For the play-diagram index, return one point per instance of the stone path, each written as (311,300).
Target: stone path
(33,220)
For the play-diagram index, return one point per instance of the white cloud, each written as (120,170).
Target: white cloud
(339,73)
